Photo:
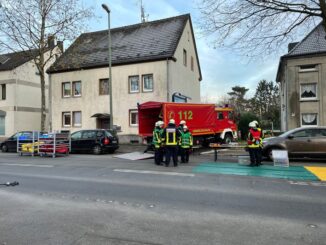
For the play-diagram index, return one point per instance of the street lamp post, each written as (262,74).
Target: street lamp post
(106,8)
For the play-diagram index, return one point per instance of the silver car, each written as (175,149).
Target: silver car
(299,142)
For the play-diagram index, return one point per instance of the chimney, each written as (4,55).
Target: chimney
(291,46)
(51,41)
(60,45)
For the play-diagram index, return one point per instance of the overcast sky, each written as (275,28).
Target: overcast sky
(221,69)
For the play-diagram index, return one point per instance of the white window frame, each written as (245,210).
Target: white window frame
(63,90)
(310,98)
(143,83)
(130,118)
(301,120)
(129,81)
(74,121)
(63,119)
(73,88)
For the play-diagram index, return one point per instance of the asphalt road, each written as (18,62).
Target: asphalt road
(86,199)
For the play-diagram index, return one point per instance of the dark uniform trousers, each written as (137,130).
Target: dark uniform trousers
(171,151)
(255,156)
(184,154)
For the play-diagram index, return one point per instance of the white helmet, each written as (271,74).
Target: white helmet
(252,125)
(172,121)
(185,127)
(183,122)
(160,123)
(157,124)
(255,122)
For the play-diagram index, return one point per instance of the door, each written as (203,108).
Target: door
(299,143)
(76,141)
(88,140)
(318,141)
(103,123)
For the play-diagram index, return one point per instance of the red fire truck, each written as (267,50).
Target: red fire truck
(206,122)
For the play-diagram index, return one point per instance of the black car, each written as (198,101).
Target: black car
(96,141)
(10,144)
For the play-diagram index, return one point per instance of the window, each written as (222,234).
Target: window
(192,63)
(133,84)
(148,83)
(76,136)
(89,134)
(185,57)
(3,91)
(77,118)
(308,91)
(76,88)
(309,119)
(302,133)
(133,118)
(308,67)
(220,115)
(2,125)
(104,86)
(66,119)
(66,89)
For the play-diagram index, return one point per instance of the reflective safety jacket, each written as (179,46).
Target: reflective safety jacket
(186,140)
(255,138)
(171,135)
(157,141)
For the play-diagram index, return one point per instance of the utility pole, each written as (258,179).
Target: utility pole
(142,12)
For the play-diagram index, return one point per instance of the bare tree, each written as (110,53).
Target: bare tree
(256,27)
(26,25)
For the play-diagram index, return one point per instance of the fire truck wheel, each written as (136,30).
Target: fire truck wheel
(228,139)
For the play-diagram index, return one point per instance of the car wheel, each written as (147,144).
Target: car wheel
(4,148)
(97,150)
(270,153)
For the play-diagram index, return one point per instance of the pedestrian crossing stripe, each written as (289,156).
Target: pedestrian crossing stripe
(320,172)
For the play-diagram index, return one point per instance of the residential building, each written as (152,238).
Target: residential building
(150,62)
(302,78)
(20,92)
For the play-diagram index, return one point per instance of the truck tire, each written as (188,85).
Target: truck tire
(228,138)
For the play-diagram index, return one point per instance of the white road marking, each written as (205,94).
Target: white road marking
(26,165)
(153,172)
(307,183)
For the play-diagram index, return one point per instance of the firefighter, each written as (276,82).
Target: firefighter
(157,142)
(181,125)
(259,128)
(162,151)
(185,144)
(254,142)
(170,137)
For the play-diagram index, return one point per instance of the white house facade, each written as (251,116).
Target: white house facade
(20,93)
(150,62)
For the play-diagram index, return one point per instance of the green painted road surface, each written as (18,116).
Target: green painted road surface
(292,172)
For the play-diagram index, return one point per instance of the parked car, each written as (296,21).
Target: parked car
(96,141)
(299,142)
(10,144)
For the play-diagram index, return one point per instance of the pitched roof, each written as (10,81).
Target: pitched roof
(149,41)
(313,43)
(10,61)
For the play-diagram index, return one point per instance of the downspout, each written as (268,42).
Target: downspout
(167,80)
(50,104)
(15,104)
(287,116)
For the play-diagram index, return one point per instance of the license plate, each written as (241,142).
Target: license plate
(114,141)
